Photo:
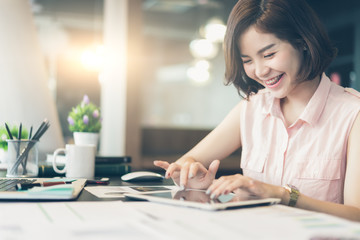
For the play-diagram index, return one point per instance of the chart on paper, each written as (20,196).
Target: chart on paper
(73,220)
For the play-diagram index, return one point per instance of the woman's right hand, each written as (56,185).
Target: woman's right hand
(188,173)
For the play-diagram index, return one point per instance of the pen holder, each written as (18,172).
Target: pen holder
(22,158)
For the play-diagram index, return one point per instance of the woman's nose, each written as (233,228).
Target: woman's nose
(261,70)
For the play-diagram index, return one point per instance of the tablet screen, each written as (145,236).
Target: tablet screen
(194,195)
(199,199)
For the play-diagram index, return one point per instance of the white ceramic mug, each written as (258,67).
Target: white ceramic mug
(80,161)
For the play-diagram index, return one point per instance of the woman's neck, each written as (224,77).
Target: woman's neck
(294,104)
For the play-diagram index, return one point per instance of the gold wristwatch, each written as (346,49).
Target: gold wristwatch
(294,194)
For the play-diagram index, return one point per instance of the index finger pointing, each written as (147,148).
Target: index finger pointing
(162,164)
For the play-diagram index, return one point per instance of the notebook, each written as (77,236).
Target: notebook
(199,199)
(41,188)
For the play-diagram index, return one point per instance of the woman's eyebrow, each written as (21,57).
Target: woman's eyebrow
(261,50)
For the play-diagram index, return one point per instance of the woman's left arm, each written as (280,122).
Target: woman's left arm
(349,210)
(352,176)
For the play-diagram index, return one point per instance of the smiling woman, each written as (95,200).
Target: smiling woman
(273,63)
(304,36)
(298,130)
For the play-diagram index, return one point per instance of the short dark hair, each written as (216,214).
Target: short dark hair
(290,20)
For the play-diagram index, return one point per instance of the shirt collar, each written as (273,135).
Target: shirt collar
(317,103)
(271,105)
(312,110)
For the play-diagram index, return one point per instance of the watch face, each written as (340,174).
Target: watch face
(287,188)
(293,187)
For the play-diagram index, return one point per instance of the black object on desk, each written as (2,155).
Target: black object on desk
(112,159)
(105,166)
(116,181)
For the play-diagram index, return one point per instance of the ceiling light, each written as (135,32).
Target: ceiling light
(198,76)
(215,30)
(203,48)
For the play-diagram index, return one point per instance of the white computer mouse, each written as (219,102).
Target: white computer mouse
(141,176)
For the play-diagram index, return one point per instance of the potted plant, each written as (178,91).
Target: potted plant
(85,122)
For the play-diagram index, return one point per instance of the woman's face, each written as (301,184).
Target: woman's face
(272,62)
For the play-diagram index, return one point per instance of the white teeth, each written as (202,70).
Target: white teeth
(273,80)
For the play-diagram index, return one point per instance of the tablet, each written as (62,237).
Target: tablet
(199,199)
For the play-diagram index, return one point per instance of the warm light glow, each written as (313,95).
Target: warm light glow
(203,64)
(198,75)
(93,58)
(101,78)
(215,32)
(203,48)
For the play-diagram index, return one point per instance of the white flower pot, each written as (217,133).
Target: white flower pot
(85,138)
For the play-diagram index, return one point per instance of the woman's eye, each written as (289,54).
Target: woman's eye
(269,55)
(246,61)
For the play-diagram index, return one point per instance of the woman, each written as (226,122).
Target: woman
(298,131)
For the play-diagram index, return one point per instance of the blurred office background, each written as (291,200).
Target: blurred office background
(175,93)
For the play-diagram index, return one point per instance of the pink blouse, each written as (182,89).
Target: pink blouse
(311,153)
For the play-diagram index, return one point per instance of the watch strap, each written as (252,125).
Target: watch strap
(294,195)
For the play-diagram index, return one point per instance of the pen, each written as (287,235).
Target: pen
(19,133)
(30,134)
(19,145)
(18,149)
(25,186)
(8,131)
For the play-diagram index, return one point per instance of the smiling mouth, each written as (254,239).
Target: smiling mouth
(273,81)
